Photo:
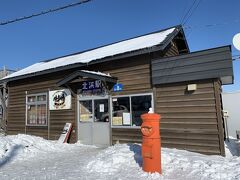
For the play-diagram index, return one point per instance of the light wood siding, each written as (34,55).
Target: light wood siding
(189,120)
(17,109)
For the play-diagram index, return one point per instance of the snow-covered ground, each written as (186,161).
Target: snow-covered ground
(30,157)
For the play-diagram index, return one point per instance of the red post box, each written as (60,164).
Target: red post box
(151,143)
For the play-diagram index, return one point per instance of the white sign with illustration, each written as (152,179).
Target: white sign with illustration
(60,99)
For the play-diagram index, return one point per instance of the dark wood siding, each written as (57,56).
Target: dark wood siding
(133,73)
(190,120)
(213,63)
(136,79)
(17,109)
(172,50)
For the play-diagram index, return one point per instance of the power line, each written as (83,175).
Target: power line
(44,12)
(212,25)
(183,18)
(184,13)
(192,12)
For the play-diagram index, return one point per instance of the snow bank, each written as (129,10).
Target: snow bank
(232,147)
(176,164)
(20,145)
(21,155)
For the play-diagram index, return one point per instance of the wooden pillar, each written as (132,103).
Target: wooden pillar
(3,124)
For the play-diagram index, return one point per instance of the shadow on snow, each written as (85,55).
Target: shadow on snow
(9,155)
(137,149)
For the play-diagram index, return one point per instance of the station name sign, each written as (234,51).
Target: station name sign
(91,85)
(90,88)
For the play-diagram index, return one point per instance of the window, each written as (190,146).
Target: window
(36,110)
(127,110)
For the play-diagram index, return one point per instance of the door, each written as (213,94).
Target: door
(85,121)
(101,126)
(94,122)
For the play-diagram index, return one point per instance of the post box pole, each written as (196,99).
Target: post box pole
(151,143)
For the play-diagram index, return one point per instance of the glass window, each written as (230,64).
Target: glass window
(41,98)
(86,112)
(127,110)
(140,105)
(41,114)
(36,110)
(31,98)
(101,112)
(121,107)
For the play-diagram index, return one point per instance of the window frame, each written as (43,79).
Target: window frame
(36,103)
(130,101)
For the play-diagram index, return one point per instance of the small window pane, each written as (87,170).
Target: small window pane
(42,114)
(101,110)
(140,105)
(31,114)
(41,98)
(121,110)
(86,111)
(31,98)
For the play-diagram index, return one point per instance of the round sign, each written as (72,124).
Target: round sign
(236,41)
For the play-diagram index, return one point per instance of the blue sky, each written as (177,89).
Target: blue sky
(101,22)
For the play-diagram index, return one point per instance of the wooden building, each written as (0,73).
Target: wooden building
(103,92)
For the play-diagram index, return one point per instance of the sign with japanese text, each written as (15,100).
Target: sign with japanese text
(60,99)
(91,85)
(90,88)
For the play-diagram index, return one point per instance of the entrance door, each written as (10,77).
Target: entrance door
(94,126)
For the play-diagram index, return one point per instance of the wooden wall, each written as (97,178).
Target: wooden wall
(17,108)
(191,120)
(207,64)
(142,74)
(133,73)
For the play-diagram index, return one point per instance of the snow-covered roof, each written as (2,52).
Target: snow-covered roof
(138,43)
(97,73)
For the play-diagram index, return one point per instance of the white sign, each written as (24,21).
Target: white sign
(60,99)
(101,108)
(126,119)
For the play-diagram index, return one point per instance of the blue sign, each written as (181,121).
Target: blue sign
(117,87)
